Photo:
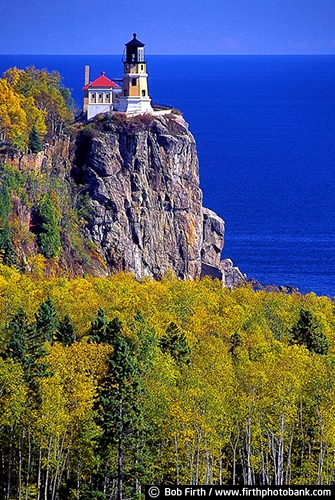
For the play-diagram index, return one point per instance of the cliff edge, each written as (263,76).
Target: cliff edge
(142,176)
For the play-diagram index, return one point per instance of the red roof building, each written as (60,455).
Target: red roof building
(101,95)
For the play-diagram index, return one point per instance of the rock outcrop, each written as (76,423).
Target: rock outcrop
(143,180)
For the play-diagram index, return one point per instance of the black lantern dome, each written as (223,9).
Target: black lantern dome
(134,51)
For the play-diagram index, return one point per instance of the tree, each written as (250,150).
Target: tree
(308,332)
(174,342)
(97,331)
(47,324)
(49,95)
(13,119)
(66,332)
(26,347)
(22,334)
(6,246)
(122,409)
(35,143)
(48,238)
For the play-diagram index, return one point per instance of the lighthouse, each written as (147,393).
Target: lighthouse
(134,97)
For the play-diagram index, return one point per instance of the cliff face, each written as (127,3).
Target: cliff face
(143,180)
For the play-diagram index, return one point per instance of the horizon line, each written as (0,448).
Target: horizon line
(174,55)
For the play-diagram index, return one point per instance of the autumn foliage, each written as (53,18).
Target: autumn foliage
(35,102)
(109,384)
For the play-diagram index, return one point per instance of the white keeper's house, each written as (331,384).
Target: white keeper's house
(101,95)
(129,95)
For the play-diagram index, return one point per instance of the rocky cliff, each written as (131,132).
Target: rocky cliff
(122,195)
(142,177)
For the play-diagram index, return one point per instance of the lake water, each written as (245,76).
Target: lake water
(265,132)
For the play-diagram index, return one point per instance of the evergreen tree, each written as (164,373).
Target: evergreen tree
(26,348)
(120,401)
(35,143)
(113,331)
(48,231)
(174,342)
(66,332)
(235,341)
(97,332)
(22,334)
(308,332)
(47,323)
(6,246)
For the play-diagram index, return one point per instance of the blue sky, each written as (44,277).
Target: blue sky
(168,26)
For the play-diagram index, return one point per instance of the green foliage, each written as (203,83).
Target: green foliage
(145,401)
(66,331)
(48,239)
(84,207)
(26,347)
(97,332)
(47,324)
(175,343)
(308,332)
(6,247)
(35,143)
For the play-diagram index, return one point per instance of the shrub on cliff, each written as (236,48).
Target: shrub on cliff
(48,239)
(7,254)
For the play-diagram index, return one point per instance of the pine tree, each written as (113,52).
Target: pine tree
(120,401)
(26,348)
(66,332)
(48,239)
(97,332)
(308,332)
(47,323)
(174,342)
(35,143)
(6,246)
(22,333)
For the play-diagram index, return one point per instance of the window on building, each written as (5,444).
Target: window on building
(107,97)
(93,97)
(143,93)
(100,98)
(140,54)
(142,67)
(134,82)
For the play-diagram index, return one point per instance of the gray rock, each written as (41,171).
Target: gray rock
(232,276)
(144,185)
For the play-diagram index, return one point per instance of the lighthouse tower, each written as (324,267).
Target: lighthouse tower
(134,97)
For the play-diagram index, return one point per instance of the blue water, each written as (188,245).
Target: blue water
(265,132)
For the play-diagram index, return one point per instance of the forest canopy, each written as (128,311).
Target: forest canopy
(34,102)
(109,384)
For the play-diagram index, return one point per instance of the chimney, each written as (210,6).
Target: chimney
(87,75)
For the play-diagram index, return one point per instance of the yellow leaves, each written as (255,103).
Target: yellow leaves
(35,117)
(13,119)
(69,393)
(32,98)
(52,416)
(13,393)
